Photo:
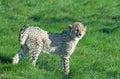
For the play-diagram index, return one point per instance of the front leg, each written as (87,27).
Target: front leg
(65,65)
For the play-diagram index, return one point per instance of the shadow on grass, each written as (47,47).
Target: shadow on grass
(64,19)
(57,71)
(108,30)
(103,19)
(46,64)
(69,76)
(38,18)
(5,59)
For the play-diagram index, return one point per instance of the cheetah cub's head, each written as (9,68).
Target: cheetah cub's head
(77,29)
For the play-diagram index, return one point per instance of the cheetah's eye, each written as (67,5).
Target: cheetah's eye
(77,30)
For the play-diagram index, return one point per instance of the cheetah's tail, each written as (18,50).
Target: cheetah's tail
(23,34)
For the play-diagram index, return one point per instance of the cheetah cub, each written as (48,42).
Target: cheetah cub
(35,40)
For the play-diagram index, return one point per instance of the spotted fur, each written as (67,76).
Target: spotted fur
(35,40)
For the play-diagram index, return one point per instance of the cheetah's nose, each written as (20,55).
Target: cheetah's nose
(79,34)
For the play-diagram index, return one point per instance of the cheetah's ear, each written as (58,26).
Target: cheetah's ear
(70,26)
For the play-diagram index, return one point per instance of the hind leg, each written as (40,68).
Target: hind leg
(22,50)
(34,56)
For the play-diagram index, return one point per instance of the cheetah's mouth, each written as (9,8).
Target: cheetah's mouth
(78,35)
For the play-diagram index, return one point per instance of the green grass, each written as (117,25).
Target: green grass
(97,56)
